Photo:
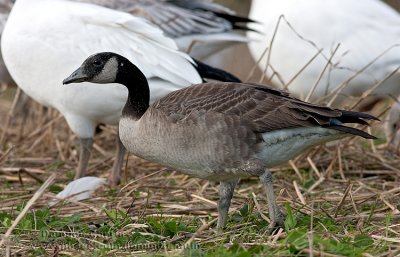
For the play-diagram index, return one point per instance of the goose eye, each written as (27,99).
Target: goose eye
(97,63)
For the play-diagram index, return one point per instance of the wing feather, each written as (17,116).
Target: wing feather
(265,108)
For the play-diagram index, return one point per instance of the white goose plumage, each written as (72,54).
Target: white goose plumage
(365,29)
(39,50)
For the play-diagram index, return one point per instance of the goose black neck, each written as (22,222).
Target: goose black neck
(138,90)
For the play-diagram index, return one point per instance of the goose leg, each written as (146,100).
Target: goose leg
(84,156)
(226,189)
(115,176)
(276,216)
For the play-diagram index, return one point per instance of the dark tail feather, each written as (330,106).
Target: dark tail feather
(244,27)
(349,115)
(234,18)
(206,71)
(352,131)
(355,117)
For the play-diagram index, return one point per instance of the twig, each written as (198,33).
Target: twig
(298,192)
(296,170)
(6,154)
(259,208)
(321,74)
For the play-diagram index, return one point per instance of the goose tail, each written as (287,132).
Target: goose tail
(352,117)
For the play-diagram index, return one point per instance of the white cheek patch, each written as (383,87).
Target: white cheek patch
(109,72)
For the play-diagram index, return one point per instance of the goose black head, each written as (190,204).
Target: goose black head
(99,68)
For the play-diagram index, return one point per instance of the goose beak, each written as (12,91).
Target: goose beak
(76,77)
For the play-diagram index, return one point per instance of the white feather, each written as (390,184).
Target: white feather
(79,190)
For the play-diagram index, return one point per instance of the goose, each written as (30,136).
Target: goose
(366,30)
(217,131)
(39,50)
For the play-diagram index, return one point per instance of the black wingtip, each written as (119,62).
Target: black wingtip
(235,18)
(361,115)
(353,131)
(209,72)
(238,22)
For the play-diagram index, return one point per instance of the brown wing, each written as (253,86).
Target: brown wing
(267,109)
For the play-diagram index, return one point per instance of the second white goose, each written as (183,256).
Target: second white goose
(218,131)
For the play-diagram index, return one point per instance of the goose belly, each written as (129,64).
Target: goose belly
(197,150)
(283,145)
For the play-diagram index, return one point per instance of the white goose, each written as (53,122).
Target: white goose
(365,29)
(39,50)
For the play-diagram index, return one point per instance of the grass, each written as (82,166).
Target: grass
(246,235)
